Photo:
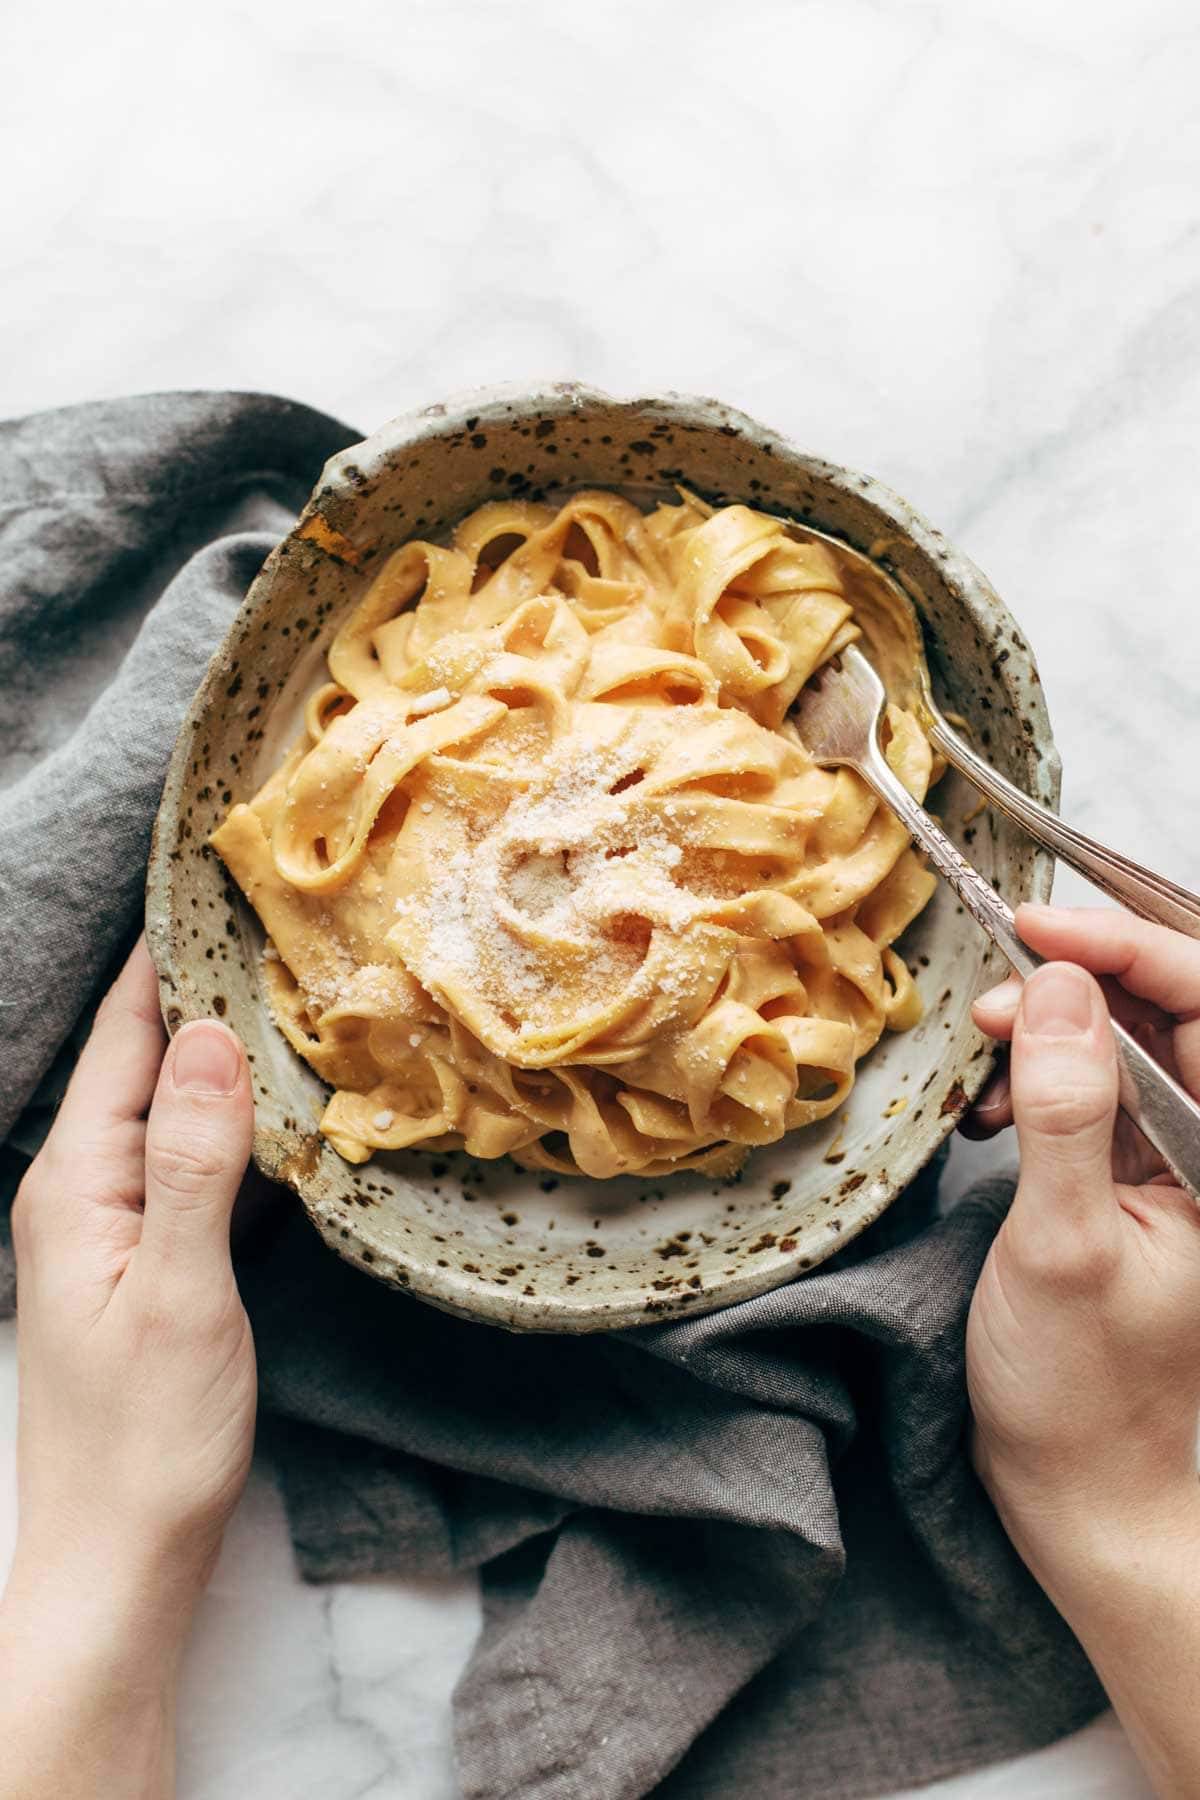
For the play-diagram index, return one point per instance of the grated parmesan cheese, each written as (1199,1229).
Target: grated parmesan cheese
(430,703)
(551,902)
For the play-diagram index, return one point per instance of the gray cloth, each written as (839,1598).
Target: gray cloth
(740,1556)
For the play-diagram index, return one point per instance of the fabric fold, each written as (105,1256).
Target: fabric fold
(129,532)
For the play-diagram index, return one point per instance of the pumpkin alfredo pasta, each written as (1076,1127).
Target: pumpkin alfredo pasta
(550,873)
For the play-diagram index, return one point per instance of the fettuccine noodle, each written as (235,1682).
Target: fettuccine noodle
(550,873)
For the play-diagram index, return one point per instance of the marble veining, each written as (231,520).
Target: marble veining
(954,245)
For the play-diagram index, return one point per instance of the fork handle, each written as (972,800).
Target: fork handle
(1141,890)
(1153,1099)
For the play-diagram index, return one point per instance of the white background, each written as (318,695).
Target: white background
(952,242)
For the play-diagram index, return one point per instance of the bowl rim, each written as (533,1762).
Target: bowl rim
(342,476)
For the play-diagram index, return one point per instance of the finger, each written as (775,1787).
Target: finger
(86,1198)
(197,1145)
(1159,965)
(992,1112)
(995,1012)
(115,1075)
(1063,1071)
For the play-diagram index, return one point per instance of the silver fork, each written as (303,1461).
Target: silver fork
(837,716)
(1141,890)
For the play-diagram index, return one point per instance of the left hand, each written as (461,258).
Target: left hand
(137,1376)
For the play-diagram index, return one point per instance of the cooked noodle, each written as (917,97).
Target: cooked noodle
(550,873)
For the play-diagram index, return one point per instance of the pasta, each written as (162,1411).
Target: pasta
(550,873)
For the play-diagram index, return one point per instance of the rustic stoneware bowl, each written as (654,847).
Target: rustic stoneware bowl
(490,1241)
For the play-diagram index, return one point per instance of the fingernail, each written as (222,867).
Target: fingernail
(1057,1001)
(1004,997)
(206,1060)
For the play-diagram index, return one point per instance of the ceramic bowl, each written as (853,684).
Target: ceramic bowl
(488,1240)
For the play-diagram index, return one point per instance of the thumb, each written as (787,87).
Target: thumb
(1063,1072)
(198,1139)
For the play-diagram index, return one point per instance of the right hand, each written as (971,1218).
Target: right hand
(1083,1344)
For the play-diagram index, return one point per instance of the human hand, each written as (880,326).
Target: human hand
(137,1385)
(1083,1344)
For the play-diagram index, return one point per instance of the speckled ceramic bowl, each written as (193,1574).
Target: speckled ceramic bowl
(488,1240)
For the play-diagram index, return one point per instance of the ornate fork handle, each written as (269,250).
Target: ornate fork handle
(1152,1098)
(1141,890)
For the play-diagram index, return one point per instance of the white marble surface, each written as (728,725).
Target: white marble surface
(953,242)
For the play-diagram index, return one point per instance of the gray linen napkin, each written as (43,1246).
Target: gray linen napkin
(739,1556)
